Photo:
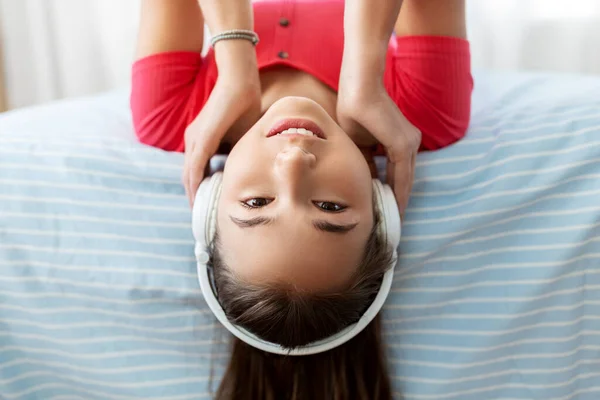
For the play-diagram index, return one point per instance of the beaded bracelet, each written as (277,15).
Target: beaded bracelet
(235,34)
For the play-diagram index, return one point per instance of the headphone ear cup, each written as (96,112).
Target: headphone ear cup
(215,194)
(390,224)
(204,212)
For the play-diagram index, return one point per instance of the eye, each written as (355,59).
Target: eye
(328,206)
(256,202)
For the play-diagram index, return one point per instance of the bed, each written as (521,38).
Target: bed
(497,294)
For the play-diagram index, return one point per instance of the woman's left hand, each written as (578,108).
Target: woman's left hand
(369,116)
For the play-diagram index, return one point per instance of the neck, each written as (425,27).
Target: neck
(283,82)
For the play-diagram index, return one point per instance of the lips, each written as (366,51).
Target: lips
(288,124)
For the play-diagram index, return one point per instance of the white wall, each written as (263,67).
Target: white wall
(63,48)
(554,35)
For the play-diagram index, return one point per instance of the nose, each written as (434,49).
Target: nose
(292,166)
(295,160)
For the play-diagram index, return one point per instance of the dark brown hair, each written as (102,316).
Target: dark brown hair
(286,316)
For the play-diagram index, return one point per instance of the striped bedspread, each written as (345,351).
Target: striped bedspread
(497,295)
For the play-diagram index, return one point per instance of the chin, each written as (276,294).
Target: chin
(295,102)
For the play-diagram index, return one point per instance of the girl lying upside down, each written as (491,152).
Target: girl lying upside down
(298,256)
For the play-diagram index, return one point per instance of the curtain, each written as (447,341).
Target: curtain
(64,48)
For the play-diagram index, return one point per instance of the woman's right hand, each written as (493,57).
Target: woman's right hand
(231,109)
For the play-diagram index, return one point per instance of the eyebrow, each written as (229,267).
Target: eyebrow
(321,225)
(252,222)
(326,226)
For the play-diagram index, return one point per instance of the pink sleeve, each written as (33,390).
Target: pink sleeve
(429,78)
(164,87)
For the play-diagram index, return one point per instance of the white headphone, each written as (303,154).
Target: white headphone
(204,223)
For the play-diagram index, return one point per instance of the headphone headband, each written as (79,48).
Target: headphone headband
(204,228)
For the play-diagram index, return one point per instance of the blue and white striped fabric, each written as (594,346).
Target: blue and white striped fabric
(497,295)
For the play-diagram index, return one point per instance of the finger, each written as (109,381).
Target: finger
(195,173)
(192,187)
(185,177)
(186,186)
(413,165)
(396,185)
(394,180)
(389,173)
(404,181)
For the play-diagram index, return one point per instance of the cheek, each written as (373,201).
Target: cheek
(247,163)
(247,149)
(349,173)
